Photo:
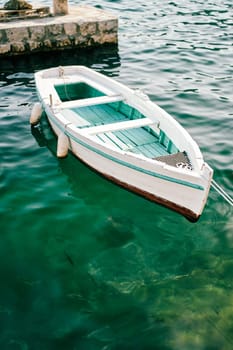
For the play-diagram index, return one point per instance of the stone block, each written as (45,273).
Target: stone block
(97,39)
(70,28)
(87,29)
(80,40)
(110,38)
(17,34)
(108,26)
(5,48)
(62,41)
(37,33)
(47,43)
(54,29)
(34,45)
(18,47)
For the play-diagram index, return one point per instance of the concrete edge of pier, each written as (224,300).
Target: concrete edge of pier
(83,26)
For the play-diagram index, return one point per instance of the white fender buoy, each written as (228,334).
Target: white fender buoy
(62,145)
(36,113)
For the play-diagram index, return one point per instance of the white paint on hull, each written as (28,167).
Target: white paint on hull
(167,190)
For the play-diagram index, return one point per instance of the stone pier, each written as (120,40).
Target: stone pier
(82,26)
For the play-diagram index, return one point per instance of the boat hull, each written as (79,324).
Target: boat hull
(121,160)
(157,185)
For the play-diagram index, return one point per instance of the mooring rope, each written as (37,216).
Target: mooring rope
(222,193)
(62,75)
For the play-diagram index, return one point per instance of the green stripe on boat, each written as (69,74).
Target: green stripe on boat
(134,167)
(128,165)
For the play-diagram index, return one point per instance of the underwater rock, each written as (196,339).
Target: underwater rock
(116,232)
(17,5)
(125,270)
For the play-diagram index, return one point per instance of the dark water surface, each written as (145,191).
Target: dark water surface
(88,265)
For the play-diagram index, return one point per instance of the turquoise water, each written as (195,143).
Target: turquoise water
(88,265)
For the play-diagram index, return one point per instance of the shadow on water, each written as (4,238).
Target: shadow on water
(106,57)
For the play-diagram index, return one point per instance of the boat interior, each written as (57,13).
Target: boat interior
(110,120)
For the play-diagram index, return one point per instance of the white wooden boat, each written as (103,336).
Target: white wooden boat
(124,136)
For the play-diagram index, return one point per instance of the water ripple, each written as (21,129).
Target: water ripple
(87,264)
